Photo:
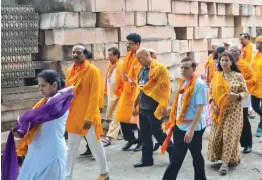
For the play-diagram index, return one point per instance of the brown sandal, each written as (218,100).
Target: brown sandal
(100,177)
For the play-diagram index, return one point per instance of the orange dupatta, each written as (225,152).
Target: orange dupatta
(247,52)
(219,90)
(22,147)
(74,77)
(210,66)
(188,91)
(157,87)
(130,66)
(247,73)
(110,69)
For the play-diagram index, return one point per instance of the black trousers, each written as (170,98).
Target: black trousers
(150,125)
(246,136)
(257,106)
(128,131)
(179,153)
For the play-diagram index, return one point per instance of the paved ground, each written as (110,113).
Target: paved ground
(121,165)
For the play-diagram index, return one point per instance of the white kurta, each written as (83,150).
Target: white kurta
(46,156)
(112,98)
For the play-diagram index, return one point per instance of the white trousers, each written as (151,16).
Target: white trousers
(95,146)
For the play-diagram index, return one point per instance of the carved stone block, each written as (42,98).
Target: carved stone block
(11,83)
(17,9)
(19,41)
(15,58)
(19,49)
(19,33)
(20,17)
(18,74)
(22,65)
(19,25)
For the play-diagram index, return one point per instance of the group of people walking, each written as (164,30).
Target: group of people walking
(138,91)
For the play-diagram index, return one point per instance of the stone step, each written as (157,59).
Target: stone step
(11,115)
(4,136)
(18,105)
(20,94)
(6,126)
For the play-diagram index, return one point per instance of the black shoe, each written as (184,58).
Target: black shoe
(138,147)
(247,150)
(142,164)
(85,154)
(156,147)
(129,144)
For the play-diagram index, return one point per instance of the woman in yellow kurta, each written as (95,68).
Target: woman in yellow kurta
(227,90)
(248,75)
(256,92)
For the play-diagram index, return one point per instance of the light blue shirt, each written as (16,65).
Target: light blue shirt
(199,97)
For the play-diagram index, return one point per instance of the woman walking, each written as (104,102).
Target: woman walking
(227,91)
(42,131)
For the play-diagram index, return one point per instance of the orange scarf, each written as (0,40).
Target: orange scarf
(157,87)
(130,65)
(247,73)
(257,67)
(210,67)
(219,90)
(75,76)
(188,92)
(247,52)
(22,147)
(110,70)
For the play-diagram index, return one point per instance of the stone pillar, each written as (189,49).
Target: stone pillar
(19,35)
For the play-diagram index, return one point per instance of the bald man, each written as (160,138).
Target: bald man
(152,99)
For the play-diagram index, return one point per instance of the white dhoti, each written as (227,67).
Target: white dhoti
(95,146)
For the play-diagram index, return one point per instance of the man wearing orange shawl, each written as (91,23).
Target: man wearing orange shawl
(152,98)
(210,65)
(256,92)
(84,116)
(127,85)
(187,122)
(247,49)
(248,75)
(89,57)
(112,78)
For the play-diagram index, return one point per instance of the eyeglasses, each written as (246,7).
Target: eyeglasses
(130,44)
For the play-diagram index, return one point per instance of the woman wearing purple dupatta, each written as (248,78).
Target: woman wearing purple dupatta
(46,155)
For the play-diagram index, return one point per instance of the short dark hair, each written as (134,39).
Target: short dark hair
(134,37)
(186,59)
(115,51)
(215,57)
(88,54)
(246,35)
(51,77)
(220,49)
(234,65)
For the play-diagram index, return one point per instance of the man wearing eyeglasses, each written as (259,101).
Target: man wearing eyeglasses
(127,86)
(248,49)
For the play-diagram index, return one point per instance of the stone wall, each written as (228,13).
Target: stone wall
(174,28)
(9,2)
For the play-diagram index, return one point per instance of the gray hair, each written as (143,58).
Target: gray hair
(235,51)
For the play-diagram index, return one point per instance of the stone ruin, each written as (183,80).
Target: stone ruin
(174,28)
